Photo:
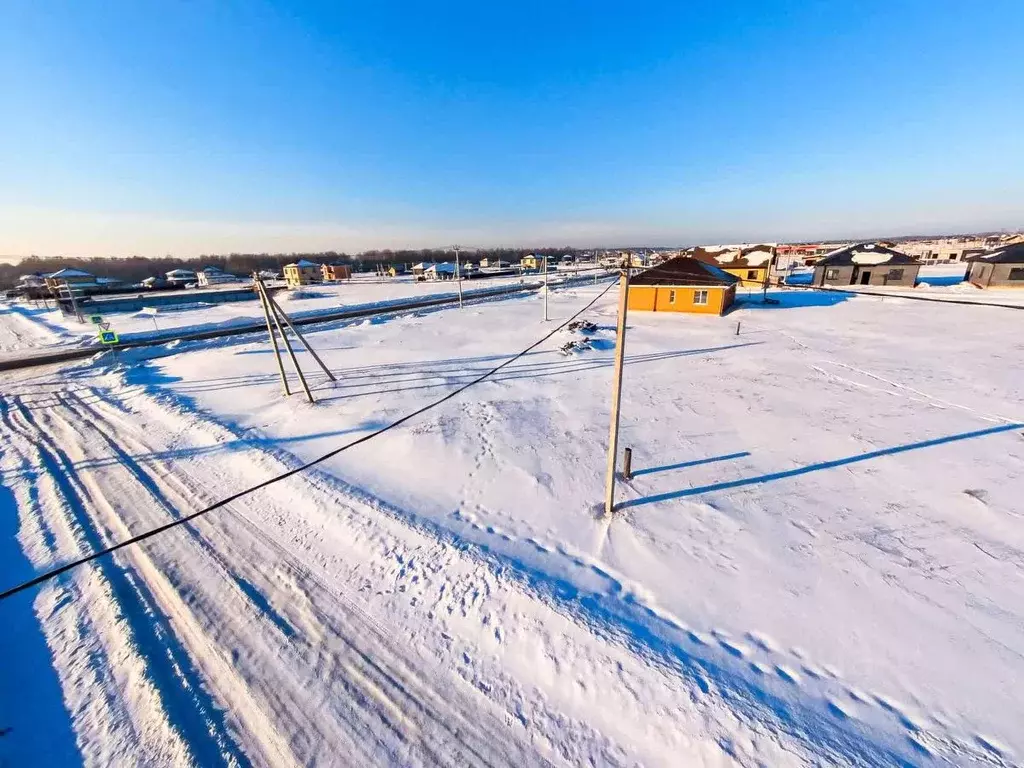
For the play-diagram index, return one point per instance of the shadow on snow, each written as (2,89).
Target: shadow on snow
(773,476)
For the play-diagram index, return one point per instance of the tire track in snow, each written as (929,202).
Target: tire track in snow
(366,679)
(493,559)
(621,623)
(107,630)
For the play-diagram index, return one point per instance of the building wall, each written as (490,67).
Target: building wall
(879,275)
(946,250)
(986,275)
(53,283)
(760,275)
(340,272)
(295,276)
(658,298)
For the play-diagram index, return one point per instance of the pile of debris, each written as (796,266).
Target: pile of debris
(576,345)
(583,326)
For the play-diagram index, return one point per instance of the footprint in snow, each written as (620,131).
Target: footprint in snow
(839,709)
(736,649)
(991,745)
(858,696)
(761,669)
(787,674)
(763,642)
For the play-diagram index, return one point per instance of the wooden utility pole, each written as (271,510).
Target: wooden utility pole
(281,313)
(458,272)
(291,353)
(545,289)
(264,302)
(613,432)
(74,302)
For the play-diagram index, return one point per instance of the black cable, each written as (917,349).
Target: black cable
(216,505)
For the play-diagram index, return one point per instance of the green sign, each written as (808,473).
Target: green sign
(95,319)
(108,337)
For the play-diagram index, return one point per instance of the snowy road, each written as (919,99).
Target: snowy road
(187,627)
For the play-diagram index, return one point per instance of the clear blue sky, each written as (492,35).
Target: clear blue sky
(133,126)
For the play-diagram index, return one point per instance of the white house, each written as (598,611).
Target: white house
(445,271)
(180,277)
(213,276)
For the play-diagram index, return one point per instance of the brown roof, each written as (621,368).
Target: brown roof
(739,259)
(684,270)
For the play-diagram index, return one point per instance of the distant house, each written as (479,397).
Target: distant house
(1001,268)
(213,276)
(487,263)
(866,264)
(336,272)
(683,284)
(419,269)
(394,270)
(302,272)
(532,261)
(445,271)
(751,264)
(73,278)
(180,277)
(34,280)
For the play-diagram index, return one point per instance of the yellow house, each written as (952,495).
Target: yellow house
(302,273)
(532,261)
(683,284)
(73,278)
(750,264)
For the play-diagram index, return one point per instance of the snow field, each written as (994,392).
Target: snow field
(815,561)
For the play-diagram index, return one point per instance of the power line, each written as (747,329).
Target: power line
(46,576)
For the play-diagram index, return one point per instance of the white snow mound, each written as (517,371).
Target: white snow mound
(870,257)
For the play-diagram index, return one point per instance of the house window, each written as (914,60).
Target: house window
(751,274)
(831,274)
(1017,273)
(700,297)
(671,297)
(895,274)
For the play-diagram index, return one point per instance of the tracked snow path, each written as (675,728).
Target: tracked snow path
(312,624)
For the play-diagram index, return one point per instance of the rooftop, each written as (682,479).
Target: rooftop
(1008,254)
(865,253)
(684,270)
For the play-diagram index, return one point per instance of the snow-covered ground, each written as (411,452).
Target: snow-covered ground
(818,559)
(31,327)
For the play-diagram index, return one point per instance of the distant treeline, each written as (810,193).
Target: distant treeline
(135,268)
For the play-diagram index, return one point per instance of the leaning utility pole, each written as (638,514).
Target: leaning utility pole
(280,313)
(545,288)
(261,291)
(613,432)
(458,272)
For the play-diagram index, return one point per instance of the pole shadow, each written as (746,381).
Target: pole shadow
(694,463)
(773,476)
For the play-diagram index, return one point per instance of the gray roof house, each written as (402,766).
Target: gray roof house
(866,264)
(1001,268)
